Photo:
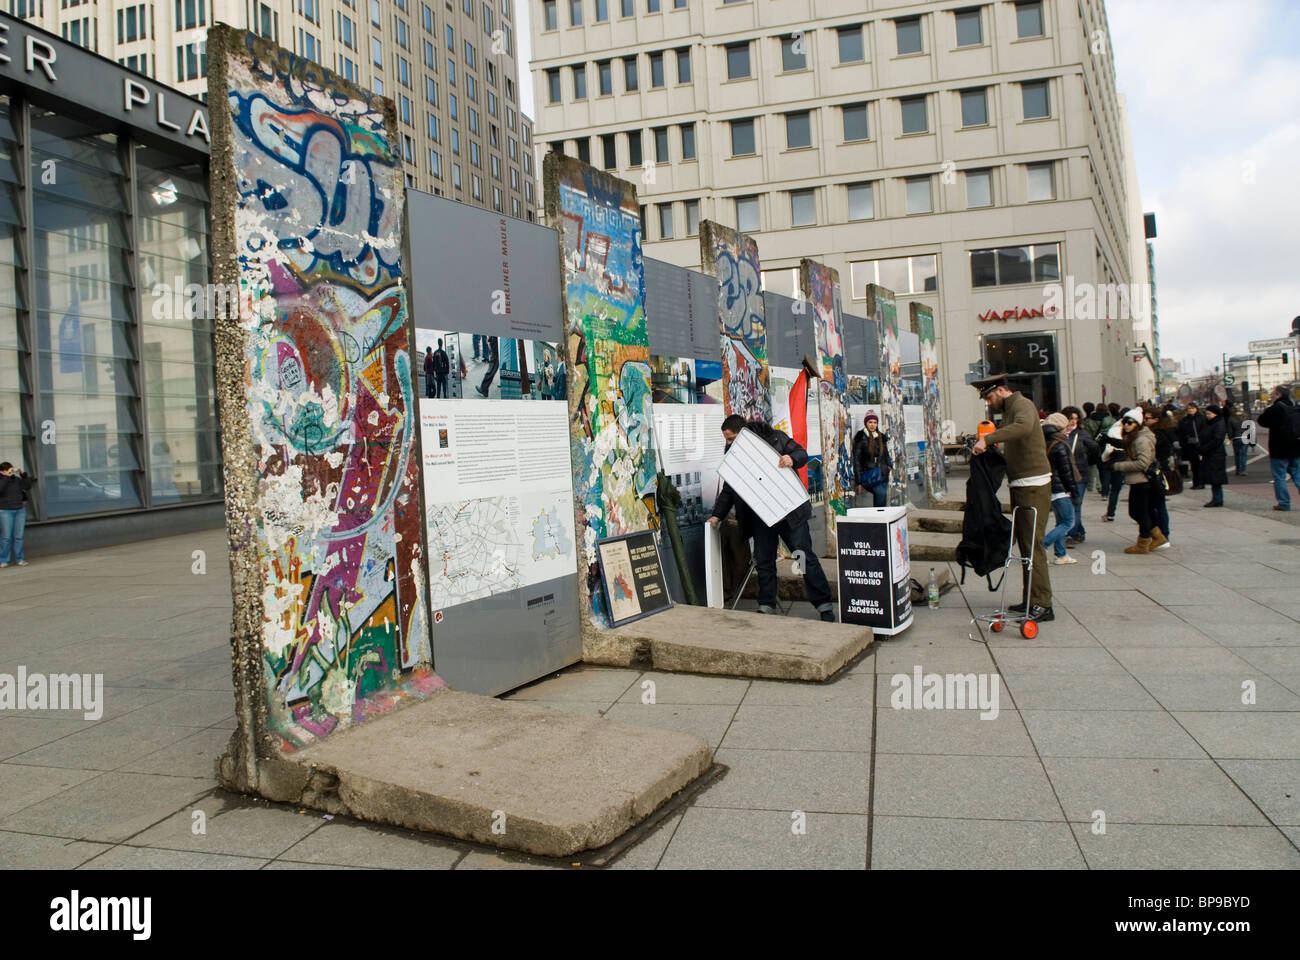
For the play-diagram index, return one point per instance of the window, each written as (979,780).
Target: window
(855,121)
(404,108)
(665,221)
(684,65)
(451,106)
(903,275)
(1029,19)
(656,69)
(747,214)
(408,148)
(1035,100)
(661,145)
(377,51)
(914,115)
(627,8)
(737,61)
(688,141)
(584,150)
(970,29)
(194,13)
(435,163)
(634,148)
(431,90)
(377,85)
(455,141)
(918,195)
(609,154)
(974,108)
(469,55)
(1041,185)
(492,104)
(553,85)
(605,78)
(494,137)
(455,175)
(451,38)
(803,208)
(403,71)
(473,120)
(430,58)
(575,13)
(131,24)
(652,6)
(602,11)
(347,32)
(1001,266)
(550,15)
(190,64)
(434,131)
(742,138)
(908,33)
(476,186)
(792,53)
(850,39)
(426,17)
(629,74)
(861,201)
(496,166)
(374,13)
(451,71)
(798,130)
(579,81)
(488,19)
(496,198)
(692,217)
(401,33)
(979,188)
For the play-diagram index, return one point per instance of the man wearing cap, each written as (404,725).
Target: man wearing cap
(1030,477)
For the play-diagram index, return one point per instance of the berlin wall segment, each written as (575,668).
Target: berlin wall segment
(732,258)
(820,287)
(882,309)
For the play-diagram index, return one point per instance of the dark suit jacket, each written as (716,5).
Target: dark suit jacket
(727,498)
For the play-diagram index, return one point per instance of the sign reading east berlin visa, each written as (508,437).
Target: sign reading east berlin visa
(874,569)
(634,579)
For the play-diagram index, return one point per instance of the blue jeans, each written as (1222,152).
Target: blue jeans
(1216,493)
(1281,470)
(879,494)
(1240,451)
(1113,486)
(12,525)
(1077,530)
(1055,538)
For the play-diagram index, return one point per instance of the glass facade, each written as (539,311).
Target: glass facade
(107,384)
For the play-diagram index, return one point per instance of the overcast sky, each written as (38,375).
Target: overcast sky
(1213,93)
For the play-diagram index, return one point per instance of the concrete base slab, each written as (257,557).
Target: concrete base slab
(790,585)
(934,521)
(924,545)
(496,772)
(960,505)
(738,643)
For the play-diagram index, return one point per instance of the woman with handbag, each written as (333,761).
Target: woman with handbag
(1162,427)
(1139,453)
(871,462)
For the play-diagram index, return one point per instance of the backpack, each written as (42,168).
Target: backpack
(985,529)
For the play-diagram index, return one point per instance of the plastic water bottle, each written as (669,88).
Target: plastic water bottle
(932,591)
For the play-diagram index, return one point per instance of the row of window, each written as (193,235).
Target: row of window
(600,10)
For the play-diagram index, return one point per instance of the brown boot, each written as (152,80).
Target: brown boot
(1142,546)
(1158,538)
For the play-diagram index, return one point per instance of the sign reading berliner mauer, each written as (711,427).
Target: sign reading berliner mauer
(874,570)
(634,578)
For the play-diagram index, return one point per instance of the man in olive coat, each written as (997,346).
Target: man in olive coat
(1030,477)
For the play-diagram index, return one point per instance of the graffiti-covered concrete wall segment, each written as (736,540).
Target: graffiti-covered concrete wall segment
(820,286)
(883,309)
(733,258)
(936,481)
(317,407)
(609,353)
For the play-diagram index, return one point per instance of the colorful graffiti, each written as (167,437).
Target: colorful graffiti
(883,309)
(936,481)
(328,388)
(610,395)
(733,258)
(820,286)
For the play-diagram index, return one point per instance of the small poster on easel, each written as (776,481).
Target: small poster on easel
(632,576)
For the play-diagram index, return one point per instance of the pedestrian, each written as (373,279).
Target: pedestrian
(1086,455)
(792,528)
(1214,457)
(1237,434)
(1030,478)
(14,484)
(1139,446)
(1162,428)
(491,353)
(871,462)
(1065,481)
(428,371)
(441,368)
(1189,441)
(1282,421)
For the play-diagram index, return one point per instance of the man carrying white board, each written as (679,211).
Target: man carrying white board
(792,528)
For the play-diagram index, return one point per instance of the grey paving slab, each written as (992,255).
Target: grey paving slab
(646,853)
(1051,691)
(1187,662)
(25,851)
(712,838)
(928,843)
(796,728)
(1075,661)
(1272,660)
(109,808)
(1161,847)
(961,732)
(484,860)
(1273,784)
(107,745)
(824,780)
(850,691)
(151,858)
(1283,633)
(580,683)
(1265,736)
(181,675)
(1150,791)
(581,708)
(988,788)
(1113,733)
(706,720)
(22,787)
(684,688)
(299,865)
(1221,693)
(22,732)
(193,756)
(237,826)
(897,658)
(351,843)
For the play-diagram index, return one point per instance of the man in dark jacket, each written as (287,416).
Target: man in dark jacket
(1214,456)
(428,371)
(792,528)
(1282,421)
(14,484)
(1030,479)
(1190,429)
(441,367)
(1086,455)
(1065,480)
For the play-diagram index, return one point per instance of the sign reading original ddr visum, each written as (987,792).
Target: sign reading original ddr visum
(874,569)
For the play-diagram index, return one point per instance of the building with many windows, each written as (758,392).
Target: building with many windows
(450,66)
(967,156)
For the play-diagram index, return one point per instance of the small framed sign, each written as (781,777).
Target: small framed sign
(632,576)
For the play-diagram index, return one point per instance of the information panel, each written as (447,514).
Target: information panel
(874,569)
(633,576)
(682,310)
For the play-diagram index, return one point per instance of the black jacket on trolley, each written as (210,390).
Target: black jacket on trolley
(746,517)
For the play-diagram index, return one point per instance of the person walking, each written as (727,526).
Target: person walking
(428,371)
(1237,434)
(491,353)
(1086,455)
(14,484)
(1282,421)
(1214,456)
(1065,482)
(441,368)
(1139,446)
(1162,428)
(1189,440)
(1112,483)
(871,462)
(1030,478)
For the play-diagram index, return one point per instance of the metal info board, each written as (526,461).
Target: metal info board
(750,469)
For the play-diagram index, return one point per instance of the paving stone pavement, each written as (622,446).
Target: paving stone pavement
(1155,723)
